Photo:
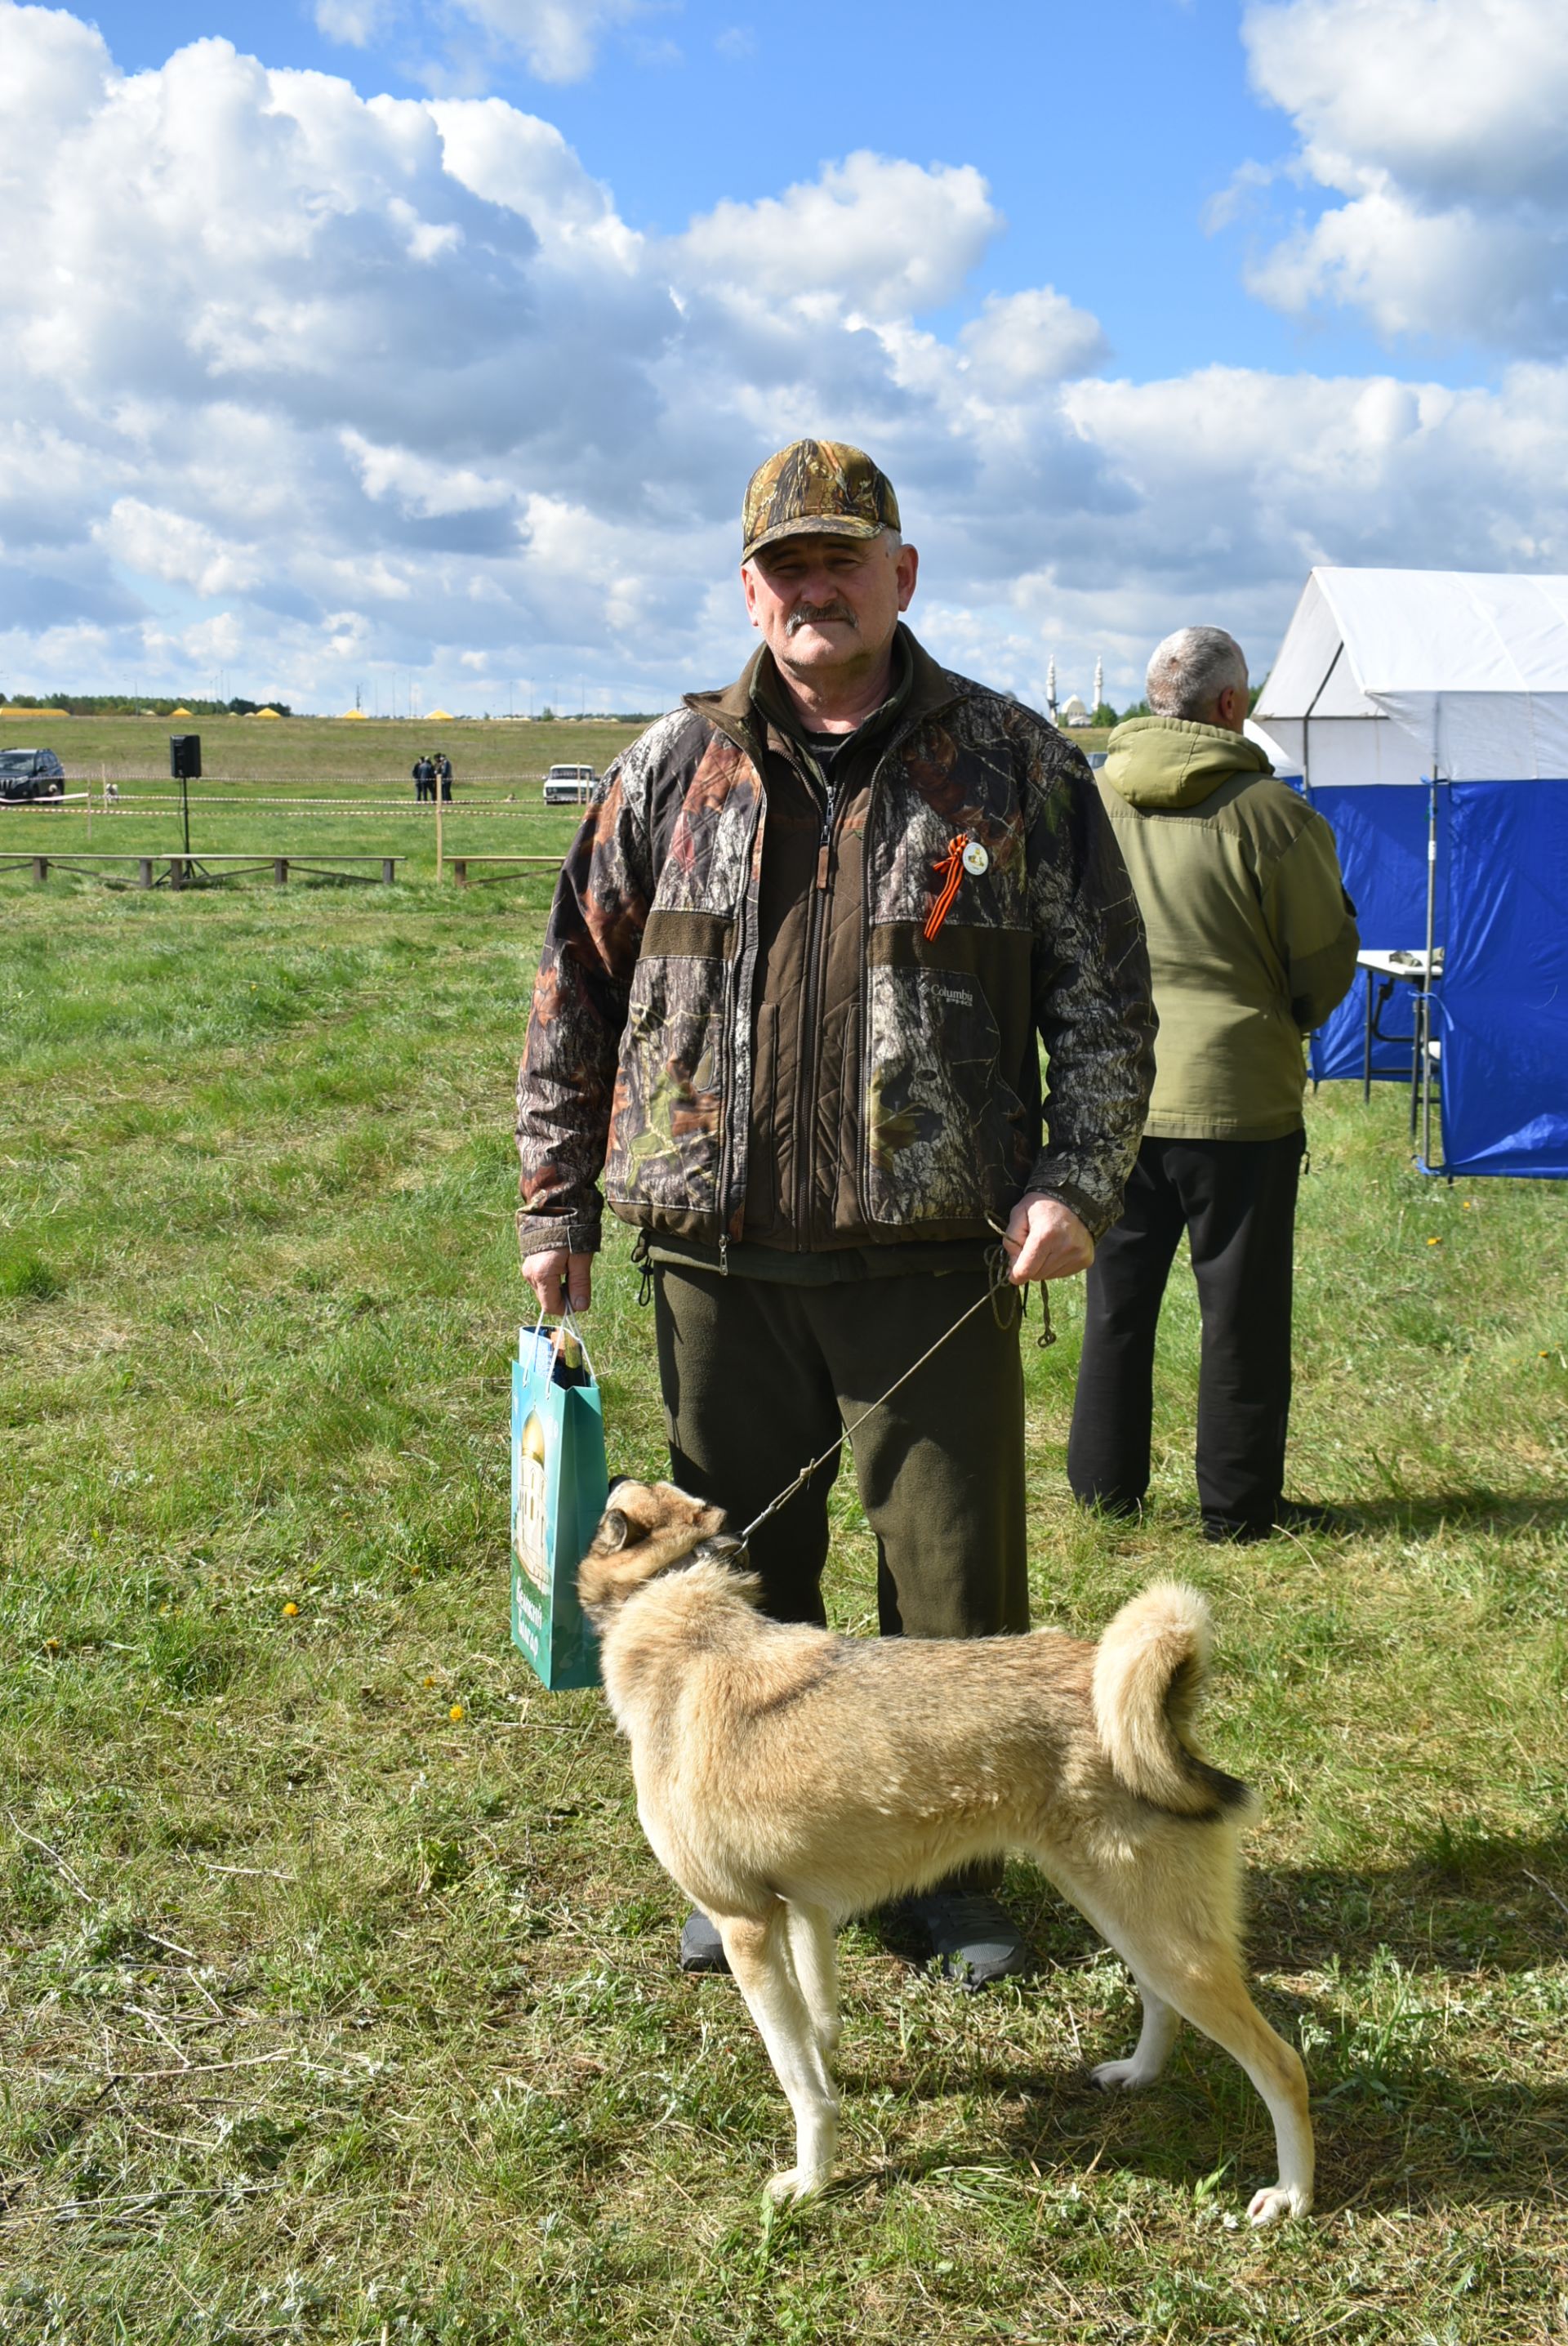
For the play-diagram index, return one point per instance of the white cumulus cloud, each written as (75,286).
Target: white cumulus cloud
(884,236)
(311,386)
(1436,128)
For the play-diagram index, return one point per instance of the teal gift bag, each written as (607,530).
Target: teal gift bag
(559,1491)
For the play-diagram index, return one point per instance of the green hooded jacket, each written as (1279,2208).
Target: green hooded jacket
(1252,939)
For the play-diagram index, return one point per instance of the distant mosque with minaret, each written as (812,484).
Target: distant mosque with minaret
(1073,711)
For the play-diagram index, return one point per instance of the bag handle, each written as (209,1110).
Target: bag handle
(567,1325)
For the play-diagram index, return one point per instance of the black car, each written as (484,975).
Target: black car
(27,774)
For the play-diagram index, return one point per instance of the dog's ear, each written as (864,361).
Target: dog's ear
(614,1530)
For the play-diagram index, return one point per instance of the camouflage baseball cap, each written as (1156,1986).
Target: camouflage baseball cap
(816,488)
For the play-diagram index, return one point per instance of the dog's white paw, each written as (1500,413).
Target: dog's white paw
(1272,2205)
(1121,2076)
(794,2183)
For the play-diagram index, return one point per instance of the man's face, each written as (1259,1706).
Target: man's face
(827,604)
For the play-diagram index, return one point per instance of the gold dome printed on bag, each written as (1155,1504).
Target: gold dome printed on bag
(528,1533)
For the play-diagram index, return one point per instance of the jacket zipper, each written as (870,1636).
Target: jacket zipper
(816,930)
(863,1164)
(737,1031)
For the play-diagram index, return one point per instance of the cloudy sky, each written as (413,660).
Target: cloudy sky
(423,347)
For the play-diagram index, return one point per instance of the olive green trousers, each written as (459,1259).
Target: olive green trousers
(759,1376)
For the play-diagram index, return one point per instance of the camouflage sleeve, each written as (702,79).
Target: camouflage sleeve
(1093,999)
(566,1083)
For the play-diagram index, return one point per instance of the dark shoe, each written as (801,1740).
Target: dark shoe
(1115,1508)
(701,1948)
(1290,1515)
(969,1937)
(1301,1515)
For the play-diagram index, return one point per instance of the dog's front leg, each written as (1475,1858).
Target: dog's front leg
(815,1962)
(757,1951)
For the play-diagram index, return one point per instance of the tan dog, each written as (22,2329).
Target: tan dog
(787,1778)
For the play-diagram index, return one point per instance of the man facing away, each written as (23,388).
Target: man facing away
(818,1095)
(1252,942)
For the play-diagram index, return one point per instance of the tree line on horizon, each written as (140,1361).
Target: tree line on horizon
(126,704)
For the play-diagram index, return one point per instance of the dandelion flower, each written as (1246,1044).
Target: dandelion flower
(1434,1242)
(456,1713)
(431,1680)
(289,1610)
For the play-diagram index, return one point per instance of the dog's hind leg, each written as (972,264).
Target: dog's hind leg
(1150,2053)
(812,1953)
(1212,1994)
(759,1954)
(1194,1972)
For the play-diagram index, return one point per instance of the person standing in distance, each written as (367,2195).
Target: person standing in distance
(1252,942)
(800,962)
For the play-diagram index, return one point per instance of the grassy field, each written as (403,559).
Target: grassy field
(337,1994)
(287,795)
(308,751)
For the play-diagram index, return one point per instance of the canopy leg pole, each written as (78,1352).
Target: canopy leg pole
(1424,1022)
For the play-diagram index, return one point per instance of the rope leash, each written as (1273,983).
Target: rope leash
(998,1286)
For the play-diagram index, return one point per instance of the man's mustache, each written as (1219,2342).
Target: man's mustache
(809,614)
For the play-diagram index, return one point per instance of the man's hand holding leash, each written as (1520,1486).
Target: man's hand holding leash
(1046,1240)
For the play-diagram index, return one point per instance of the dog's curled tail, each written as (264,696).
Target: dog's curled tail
(1148,1674)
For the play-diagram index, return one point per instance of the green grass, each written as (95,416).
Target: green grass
(326,2016)
(304,787)
(484,753)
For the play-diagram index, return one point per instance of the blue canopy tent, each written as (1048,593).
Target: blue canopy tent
(1427,712)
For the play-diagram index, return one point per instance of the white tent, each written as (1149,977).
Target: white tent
(1398,676)
(1284,762)
(1458,680)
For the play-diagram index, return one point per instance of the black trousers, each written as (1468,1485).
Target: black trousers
(1235,1199)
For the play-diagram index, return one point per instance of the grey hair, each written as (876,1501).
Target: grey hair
(1190,670)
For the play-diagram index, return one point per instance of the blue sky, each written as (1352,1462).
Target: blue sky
(1105,132)
(449,365)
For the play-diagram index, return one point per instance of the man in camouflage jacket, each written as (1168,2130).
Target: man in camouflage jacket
(799,964)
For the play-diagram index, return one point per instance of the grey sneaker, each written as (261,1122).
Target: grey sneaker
(701,1948)
(970,1937)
